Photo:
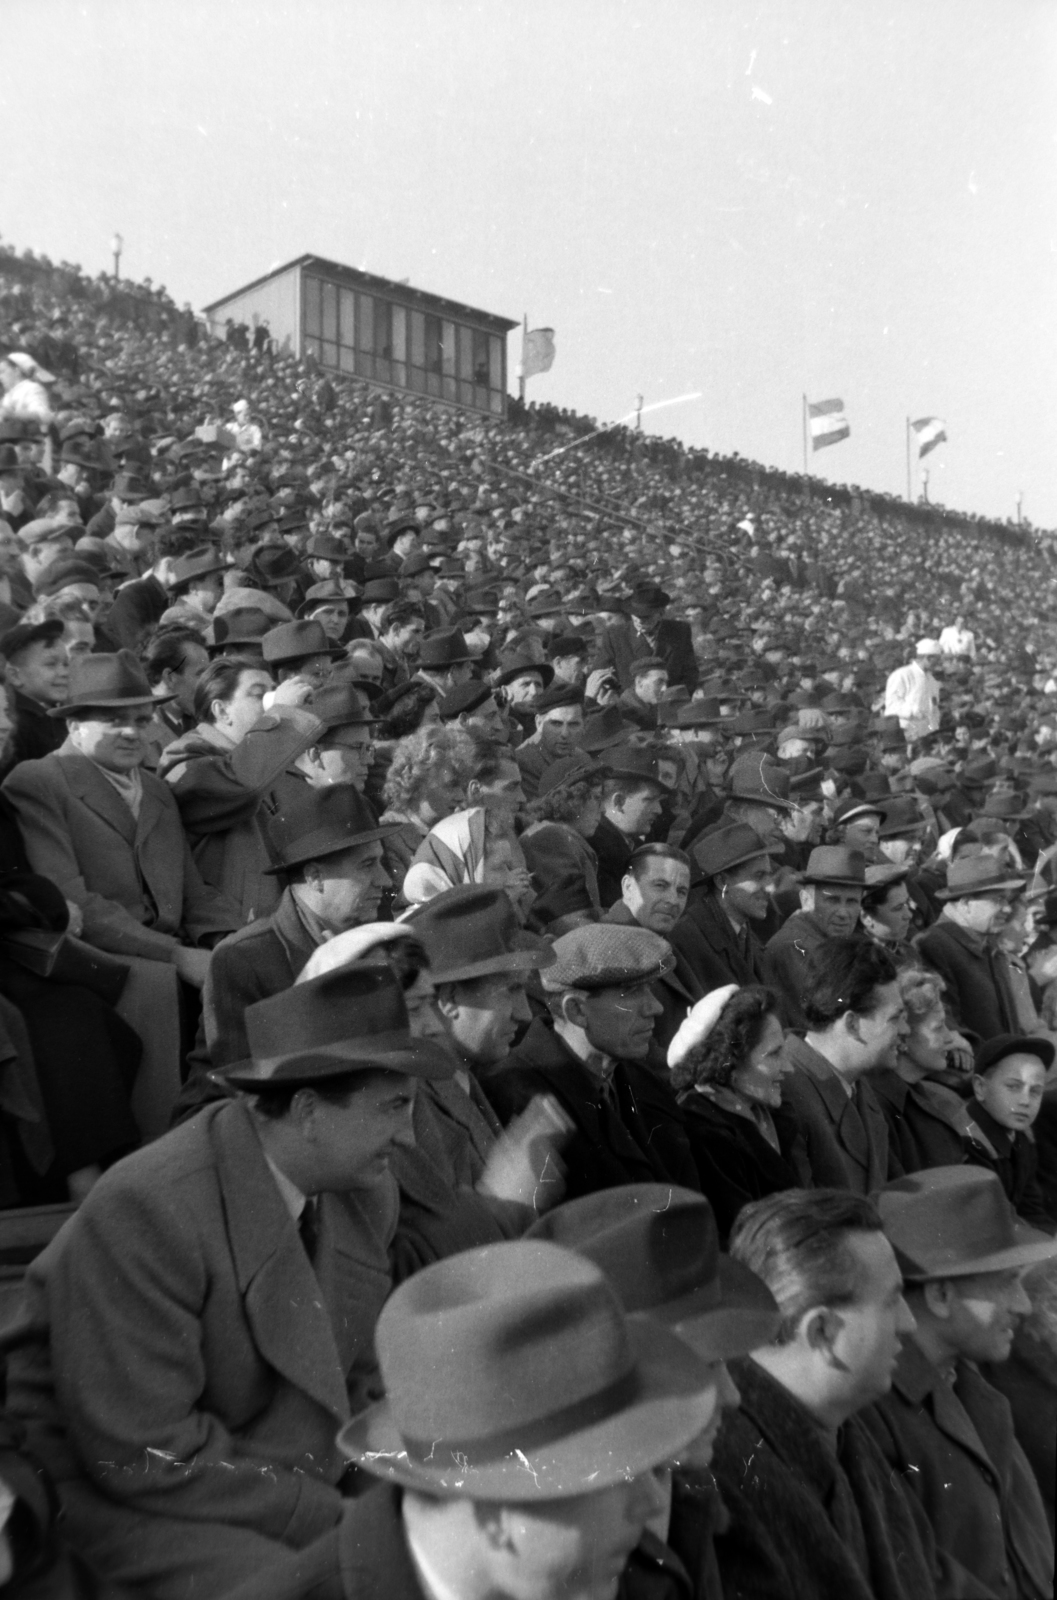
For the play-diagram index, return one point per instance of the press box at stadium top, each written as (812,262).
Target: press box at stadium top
(387,333)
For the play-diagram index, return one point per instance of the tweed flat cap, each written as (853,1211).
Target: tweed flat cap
(606,956)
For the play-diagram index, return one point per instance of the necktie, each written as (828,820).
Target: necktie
(308,1227)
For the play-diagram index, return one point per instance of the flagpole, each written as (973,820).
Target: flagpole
(804,424)
(908,458)
(521,379)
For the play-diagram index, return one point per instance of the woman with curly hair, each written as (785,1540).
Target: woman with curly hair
(727,1063)
(426,781)
(928,1120)
(566,811)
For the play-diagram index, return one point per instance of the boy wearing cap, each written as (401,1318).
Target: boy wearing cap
(37,674)
(943,1428)
(1009,1078)
(196,1335)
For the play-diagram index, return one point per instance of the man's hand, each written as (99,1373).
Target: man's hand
(600,687)
(75,926)
(524,1164)
(192,965)
(291,692)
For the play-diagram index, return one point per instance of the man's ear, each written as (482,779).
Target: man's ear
(574,1010)
(819,1328)
(494,1522)
(852,1025)
(473,791)
(807,897)
(445,1001)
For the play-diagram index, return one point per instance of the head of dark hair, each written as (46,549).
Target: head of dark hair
(488,758)
(844,975)
(176,542)
(873,899)
(641,858)
(167,652)
(737,1032)
(566,803)
(797,1242)
(219,681)
(398,613)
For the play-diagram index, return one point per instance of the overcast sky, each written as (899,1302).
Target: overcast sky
(747,201)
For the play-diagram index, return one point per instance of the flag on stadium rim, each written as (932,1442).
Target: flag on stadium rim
(827,422)
(930,431)
(537,352)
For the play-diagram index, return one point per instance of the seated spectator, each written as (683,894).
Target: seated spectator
(469,847)
(342,752)
(942,1427)
(653,894)
(887,911)
(834,883)
(855,1020)
(300,650)
(649,682)
(715,937)
(727,1063)
(444,660)
(814,1508)
(224,775)
(591,1055)
(565,814)
(928,1122)
(426,781)
(194,1337)
(631,803)
(174,661)
(196,583)
(472,706)
(559,727)
(37,674)
(1009,1076)
(976,901)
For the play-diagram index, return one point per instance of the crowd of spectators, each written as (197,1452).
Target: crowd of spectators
(527,956)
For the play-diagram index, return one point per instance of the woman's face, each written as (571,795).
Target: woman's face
(925,1048)
(891,919)
(590,815)
(760,1075)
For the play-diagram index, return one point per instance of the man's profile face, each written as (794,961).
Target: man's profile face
(657,897)
(353,883)
(882,1030)
(650,686)
(351,1143)
(637,811)
(620,1020)
(873,1327)
(346,755)
(984,1312)
(484,1016)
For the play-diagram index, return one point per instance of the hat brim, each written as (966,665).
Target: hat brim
(972,891)
(736,1315)
(527,960)
(336,848)
(1040,1247)
(838,883)
(333,651)
(546,673)
(739,861)
(418,1058)
(76,707)
(775,801)
(667,1407)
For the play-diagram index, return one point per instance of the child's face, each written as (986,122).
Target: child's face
(1012,1091)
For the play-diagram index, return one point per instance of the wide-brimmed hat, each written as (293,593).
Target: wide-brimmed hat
(102,682)
(952,1222)
(322,594)
(604,730)
(294,641)
(320,823)
(463,699)
(472,931)
(196,564)
(446,647)
(760,781)
(238,632)
(340,705)
(902,815)
(645,598)
(511,667)
(978,875)
(853,807)
(837,864)
(1004,805)
(577,768)
(512,1374)
(346,1021)
(727,847)
(659,1247)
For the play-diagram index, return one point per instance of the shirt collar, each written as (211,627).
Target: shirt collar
(575,1039)
(294,1201)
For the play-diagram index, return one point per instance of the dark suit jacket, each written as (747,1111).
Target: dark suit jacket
(637,1139)
(1012,1157)
(554,851)
(623,644)
(845,1136)
(253,963)
(705,938)
(613,852)
(200,1366)
(977,992)
(809,1520)
(954,1449)
(734,1161)
(137,607)
(927,1124)
(677,991)
(785,960)
(36,734)
(135,880)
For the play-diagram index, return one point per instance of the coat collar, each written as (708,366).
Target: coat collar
(788,1427)
(90,786)
(920,1383)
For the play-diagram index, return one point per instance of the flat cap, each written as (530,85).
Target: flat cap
(607,956)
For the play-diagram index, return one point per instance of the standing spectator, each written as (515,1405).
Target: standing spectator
(649,633)
(913,695)
(959,946)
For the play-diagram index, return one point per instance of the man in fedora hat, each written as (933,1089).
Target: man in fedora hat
(300,650)
(834,884)
(109,834)
(326,846)
(855,1018)
(445,660)
(960,945)
(342,752)
(943,1428)
(194,1338)
(593,1054)
(631,803)
(716,936)
(559,728)
(196,582)
(571,1408)
(815,1509)
(649,632)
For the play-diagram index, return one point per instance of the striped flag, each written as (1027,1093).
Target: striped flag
(827,423)
(537,352)
(930,431)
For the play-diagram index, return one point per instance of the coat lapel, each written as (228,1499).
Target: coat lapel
(282,1296)
(90,787)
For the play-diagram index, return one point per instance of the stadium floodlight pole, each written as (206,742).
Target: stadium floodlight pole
(925,484)
(116,245)
(803,419)
(521,368)
(1020,507)
(638,412)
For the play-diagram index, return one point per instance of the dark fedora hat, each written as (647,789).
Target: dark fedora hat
(634,765)
(294,641)
(761,781)
(239,632)
(953,1222)
(511,1373)
(322,822)
(853,807)
(726,848)
(1005,805)
(836,863)
(188,497)
(463,699)
(275,563)
(196,564)
(511,667)
(348,1020)
(472,931)
(604,730)
(445,647)
(322,594)
(9,461)
(902,815)
(577,768)
(380,591)
(339,705)
(325,547)
(659,1248)
(978,875)
(645,598)
(99,682)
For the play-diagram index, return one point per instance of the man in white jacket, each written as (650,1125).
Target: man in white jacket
(913,695)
